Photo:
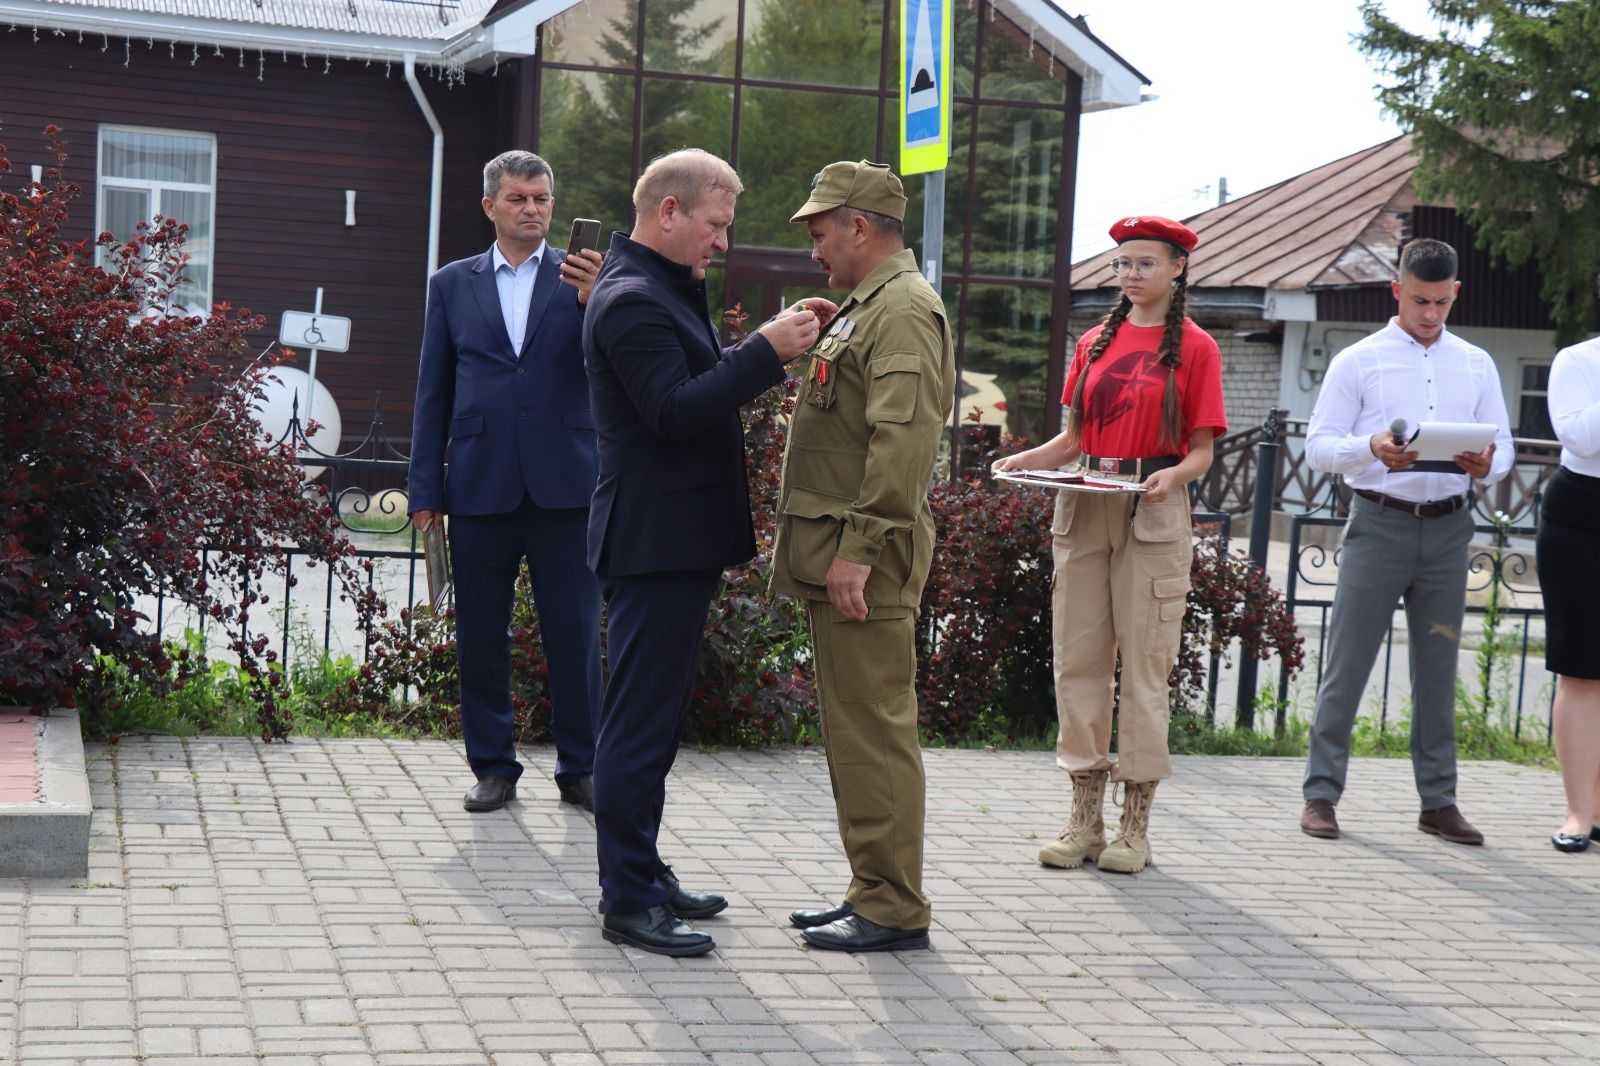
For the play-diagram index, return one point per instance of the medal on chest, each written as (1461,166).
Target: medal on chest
(823,373)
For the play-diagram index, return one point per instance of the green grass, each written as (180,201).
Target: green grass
(1476,739)
(374,521)
(994,733)
(217,702)
(1187,735)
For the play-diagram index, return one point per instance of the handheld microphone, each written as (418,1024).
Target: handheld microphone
(1397,429)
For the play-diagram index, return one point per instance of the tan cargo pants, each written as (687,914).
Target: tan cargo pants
(1121,582)
(866,689)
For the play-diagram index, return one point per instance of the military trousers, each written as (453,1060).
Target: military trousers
(1121,587)
(866,690)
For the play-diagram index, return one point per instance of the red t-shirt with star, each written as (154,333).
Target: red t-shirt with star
(1122,396)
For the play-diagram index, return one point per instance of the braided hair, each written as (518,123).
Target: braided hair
(1171,356)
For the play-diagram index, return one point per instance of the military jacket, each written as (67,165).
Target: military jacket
(874,399)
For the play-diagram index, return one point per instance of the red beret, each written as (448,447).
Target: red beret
(1153,228)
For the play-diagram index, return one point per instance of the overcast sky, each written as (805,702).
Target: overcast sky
(1255,91)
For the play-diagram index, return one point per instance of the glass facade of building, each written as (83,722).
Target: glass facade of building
(782,87)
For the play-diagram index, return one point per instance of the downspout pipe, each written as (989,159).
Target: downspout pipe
(437,187)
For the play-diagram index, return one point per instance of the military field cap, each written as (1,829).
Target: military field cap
(864,186)
(1154,228)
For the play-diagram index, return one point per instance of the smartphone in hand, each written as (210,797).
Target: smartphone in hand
(585,234)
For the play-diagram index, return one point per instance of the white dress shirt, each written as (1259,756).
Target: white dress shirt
(1390,375)
(1575,406)
(515,285)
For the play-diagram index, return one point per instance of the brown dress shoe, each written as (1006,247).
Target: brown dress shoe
(1318,820)
(1447,822)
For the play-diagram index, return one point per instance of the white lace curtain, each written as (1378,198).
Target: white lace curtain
(145,173)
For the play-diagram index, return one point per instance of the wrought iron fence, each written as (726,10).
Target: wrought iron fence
(1502,596)
(365,486)
(1230,483)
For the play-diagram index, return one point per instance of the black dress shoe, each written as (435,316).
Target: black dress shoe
(1575,842)
(812,919)
(686,904)
(856,933)
(578,791)
(657,930)
(490,794)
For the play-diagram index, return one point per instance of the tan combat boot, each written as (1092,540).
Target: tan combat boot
(1130,851)
(1085,834)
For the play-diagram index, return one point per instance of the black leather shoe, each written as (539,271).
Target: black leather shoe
(656,930)
(856,933)
(490,794)
(812,919)
(1564,842)
(686,904)
(578,791)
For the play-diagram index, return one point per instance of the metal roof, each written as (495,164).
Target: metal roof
(422,19)
(1339,224)
(433,30)
(1108,80)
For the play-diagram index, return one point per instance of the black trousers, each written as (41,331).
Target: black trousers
(486,551)
(654,626)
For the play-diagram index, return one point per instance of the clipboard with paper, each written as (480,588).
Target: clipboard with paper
(1438,443)
(1071,480)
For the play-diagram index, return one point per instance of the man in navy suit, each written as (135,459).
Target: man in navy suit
(671,510)
(502,385)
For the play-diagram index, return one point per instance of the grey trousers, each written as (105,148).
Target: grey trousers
(1388,555)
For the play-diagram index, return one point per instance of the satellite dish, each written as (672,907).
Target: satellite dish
(284,387)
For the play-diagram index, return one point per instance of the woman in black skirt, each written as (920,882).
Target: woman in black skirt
(1569,575)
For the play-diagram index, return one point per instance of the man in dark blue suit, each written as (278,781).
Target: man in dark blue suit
(502,386)
(671,510)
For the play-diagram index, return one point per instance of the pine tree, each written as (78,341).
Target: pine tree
(1502,105)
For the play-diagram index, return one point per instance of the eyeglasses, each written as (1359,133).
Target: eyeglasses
(1143,268)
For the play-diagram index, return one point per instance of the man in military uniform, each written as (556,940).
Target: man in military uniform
(855,539)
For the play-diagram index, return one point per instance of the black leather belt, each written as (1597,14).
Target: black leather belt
(1433,509)
(1099,464)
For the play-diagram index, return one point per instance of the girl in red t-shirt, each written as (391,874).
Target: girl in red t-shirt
(1145,399)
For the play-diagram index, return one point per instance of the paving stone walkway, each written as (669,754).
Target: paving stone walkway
(328,903)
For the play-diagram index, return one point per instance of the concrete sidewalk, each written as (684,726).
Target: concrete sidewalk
(328,903)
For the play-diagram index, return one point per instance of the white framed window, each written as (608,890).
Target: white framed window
(147,172)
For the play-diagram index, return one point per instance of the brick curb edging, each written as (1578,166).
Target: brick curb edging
(48,835)
(19,760)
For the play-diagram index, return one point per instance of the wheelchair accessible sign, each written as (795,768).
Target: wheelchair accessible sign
(926,30)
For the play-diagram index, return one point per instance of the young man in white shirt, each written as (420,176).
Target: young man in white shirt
(1408,534)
